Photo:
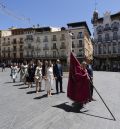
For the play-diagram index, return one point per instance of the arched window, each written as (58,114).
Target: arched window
(99,29)
(115,36)
(99,38)
(107,27)
(107,37)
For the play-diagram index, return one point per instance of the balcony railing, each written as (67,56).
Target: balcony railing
(45,48)
(54,39)
(79,36)
(62,38)
(54,48)
(103,40)
(63,47)
(45,40)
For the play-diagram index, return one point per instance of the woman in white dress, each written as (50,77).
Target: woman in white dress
(38,76)
(49,78)
(14,71)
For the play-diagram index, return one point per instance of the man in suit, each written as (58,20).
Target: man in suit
(90,73)
(58,74)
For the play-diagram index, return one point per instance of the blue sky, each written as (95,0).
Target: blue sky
(53,12)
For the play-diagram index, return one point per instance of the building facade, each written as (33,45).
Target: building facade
(106,41)
(48,43)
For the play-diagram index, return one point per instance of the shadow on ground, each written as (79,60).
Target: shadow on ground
(40,97)
(76,109)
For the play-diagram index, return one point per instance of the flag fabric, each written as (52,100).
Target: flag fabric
(78,88)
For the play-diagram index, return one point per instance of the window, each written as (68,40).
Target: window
(80,43)
(54,53)
(14,41)
(107,27)
(109,48)
(104,49)
(99,29)
(99,38)
(73,45)
(115,36)
(14,48)
(107,37)
(45,39)
(38,39)
(114,47)
(54,46)
(99,49)
(21,47)
(14,55)
(62,37)
(80,35)
(80,53)
(115,26)
(29,37)
(54,38)
(21,55)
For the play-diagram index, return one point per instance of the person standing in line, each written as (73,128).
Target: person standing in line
(58,74)
(90,73)
(25,72)
(31,73)
(21,70)
(48,77)
(38,76)
(14,71)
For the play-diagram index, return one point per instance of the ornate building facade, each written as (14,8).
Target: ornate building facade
(106,41)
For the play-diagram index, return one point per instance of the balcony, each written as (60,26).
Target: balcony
(62,38)
(21,42)
(54,39)
(21,49)
(29,47)
(63,47)
(79,36)
(73,46)
(29,39)
(45,48)
(45,40)
(5,43)
(54,48)
(73,37)
(79,45)
(107,29)
(37,49)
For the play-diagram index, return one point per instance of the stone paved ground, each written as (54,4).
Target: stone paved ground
(22,108)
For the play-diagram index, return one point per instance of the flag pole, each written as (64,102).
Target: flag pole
(103,101)
(69,49)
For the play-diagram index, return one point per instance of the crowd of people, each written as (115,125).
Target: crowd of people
(48,72)
(35,73)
